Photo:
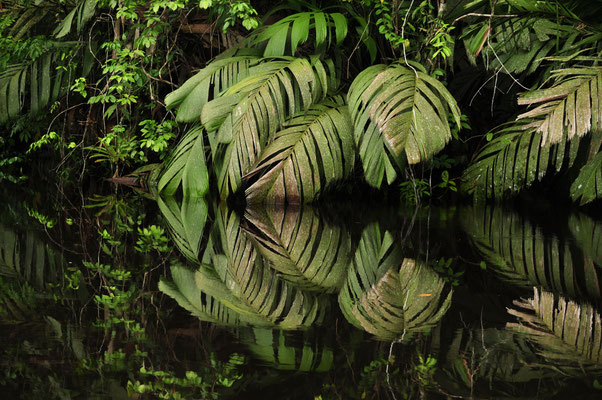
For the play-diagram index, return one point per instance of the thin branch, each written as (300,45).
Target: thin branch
(484,15)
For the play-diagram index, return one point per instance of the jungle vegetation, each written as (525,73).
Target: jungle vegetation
(282,104)
(281,101)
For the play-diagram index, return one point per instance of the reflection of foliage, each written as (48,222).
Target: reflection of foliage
(389,295)
(522,254)
(186,223)
(299,244)
(567,333)
(282,351)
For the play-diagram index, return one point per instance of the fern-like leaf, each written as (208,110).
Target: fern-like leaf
(314,150)
(398,113)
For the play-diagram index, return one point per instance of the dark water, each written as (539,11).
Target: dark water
(109,294)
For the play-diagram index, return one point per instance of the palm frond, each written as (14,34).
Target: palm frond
(186,167)
(587,187)
(248,114)
(39,80)
(26,257)
(398,113)
(283,37)
(388,295)
(313,150)
(298,243)
(186,223)
(80,14)
(571,107)
(521,254)
(208,83)
(515,159)
(566,333)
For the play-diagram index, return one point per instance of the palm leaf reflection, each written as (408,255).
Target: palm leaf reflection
(522,254)
(387,294)
(292,351)
(301,246)
(240,280)
(567,333)
(186,222)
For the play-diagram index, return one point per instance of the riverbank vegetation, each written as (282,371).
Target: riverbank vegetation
(281,101)
(170,293)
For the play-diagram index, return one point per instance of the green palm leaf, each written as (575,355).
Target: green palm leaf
(248,114)
(186,223)
(571,107)
(388,295)
(40,80)
(26,257)
(80,14)
(398,113)
(284,37)
(186,167)
(587,187)
(208,83)
(522,255)
(515,159)
(567,333)
(298,243)
(313,150)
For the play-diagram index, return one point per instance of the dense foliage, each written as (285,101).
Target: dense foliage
(285,103)
(294,97)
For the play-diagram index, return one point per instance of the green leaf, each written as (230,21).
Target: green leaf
(587,187)
(207,85)
(256,108)
(186,223)
(186,166)
(398,113)
(312,151)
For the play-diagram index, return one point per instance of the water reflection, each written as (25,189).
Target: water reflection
(468,302)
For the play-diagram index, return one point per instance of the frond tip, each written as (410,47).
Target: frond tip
(571,107)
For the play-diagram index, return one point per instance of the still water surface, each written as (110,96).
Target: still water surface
(118,295)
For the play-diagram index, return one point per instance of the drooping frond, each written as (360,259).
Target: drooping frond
(566,333)
(389,295)
(283,37)
(301,246)
(519,44)
(398,113)
(26,257)
(31,86)
(587,187)
(519,253)
(248,114)
(186,167)
(514,160)
(313,150)
(276,349)
(186,223)
(208,83)
(571,107)
(79,15)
